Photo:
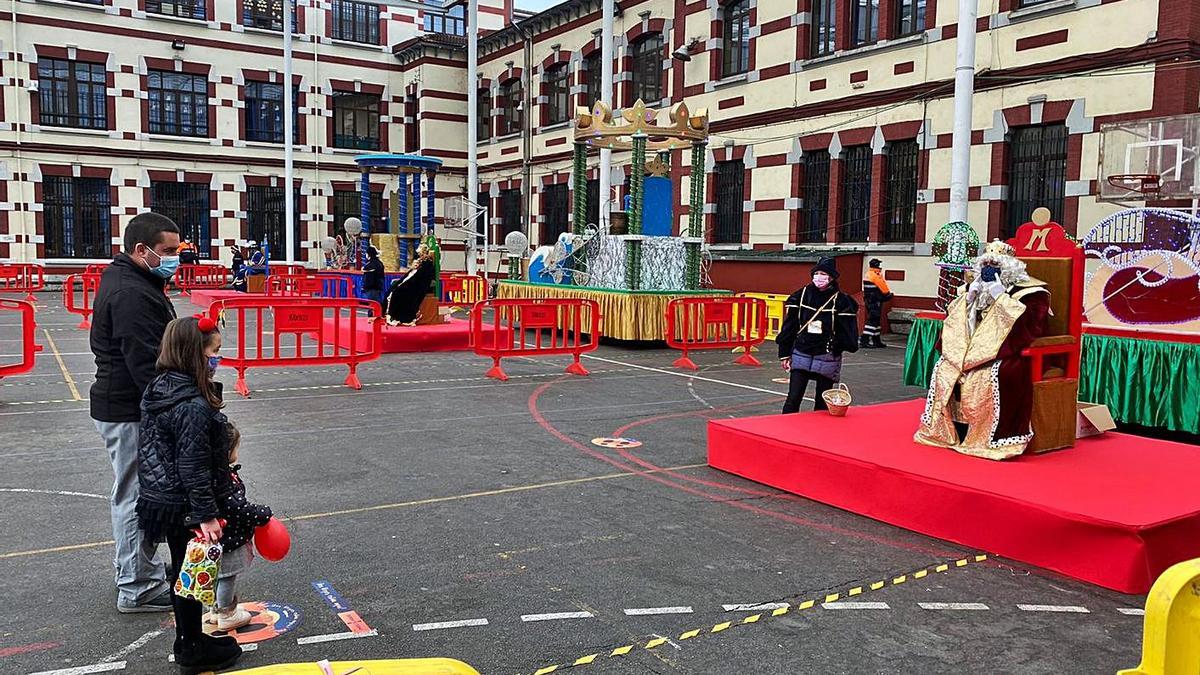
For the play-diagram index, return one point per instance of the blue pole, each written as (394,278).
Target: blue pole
(364,207)
(402,226)
(416,187)
(430,192)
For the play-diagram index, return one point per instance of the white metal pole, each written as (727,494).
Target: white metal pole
(472,129)
(289,217)
(964,90)
(606,95)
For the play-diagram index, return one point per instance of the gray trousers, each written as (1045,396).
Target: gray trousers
(140,574)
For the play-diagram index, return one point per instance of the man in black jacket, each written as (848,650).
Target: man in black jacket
(131,312)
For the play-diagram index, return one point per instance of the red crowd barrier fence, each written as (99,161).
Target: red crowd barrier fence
(87,285)
(716,323)
(307,286)
(193,277)
(260,331)
(22,278)
(95,268)
(284,268)
(463,290)
(29,346)
(535,327)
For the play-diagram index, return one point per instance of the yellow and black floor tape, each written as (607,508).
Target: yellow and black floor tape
(758,617)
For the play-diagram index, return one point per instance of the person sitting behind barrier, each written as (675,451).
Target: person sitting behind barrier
(402,306)
(372,278)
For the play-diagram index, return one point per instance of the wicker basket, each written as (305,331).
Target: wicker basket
(838,399)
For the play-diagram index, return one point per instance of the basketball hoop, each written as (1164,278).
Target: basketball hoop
(1144,183)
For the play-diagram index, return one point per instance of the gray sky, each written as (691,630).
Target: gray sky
(536,5)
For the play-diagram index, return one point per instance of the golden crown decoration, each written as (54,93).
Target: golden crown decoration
(595,127)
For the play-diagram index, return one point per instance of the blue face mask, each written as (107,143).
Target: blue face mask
(167,265)
(989,272)
(213,362)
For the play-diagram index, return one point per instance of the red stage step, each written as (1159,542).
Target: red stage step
(205,297)
(1116,510)
(454,336)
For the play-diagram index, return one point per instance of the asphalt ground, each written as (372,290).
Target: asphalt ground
(473,519)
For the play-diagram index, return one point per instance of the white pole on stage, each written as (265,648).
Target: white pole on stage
(289,191)
(606,95)
(964,90)
(472,130)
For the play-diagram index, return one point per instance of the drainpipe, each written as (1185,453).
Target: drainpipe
(527,127)
(472,130)
(606,95)
(20,197)
(964,90)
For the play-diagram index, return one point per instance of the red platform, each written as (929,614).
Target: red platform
(1116,510)
(454,336)
(205,297)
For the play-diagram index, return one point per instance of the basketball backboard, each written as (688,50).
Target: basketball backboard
(1153,158)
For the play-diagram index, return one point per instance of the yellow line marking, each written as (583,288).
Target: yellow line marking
(62,366)
(755,618)
(397,505)
(941,568)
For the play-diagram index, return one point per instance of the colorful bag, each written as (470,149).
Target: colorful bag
(198,575)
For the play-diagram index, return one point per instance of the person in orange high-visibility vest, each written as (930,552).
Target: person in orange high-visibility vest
(875,293)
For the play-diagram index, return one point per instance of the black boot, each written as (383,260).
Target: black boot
(877,341)
(205,653)
(864,341)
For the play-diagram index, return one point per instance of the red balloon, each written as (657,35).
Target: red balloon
(272,540)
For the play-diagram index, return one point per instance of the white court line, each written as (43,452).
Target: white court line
(855,605)
(438,625)
(84,670)
(748,607)
(555,616)
(1071,609)
(649,611)
(689,375)
(61,493)
(132,646)
(334,637)
(1132,611)
(968,606)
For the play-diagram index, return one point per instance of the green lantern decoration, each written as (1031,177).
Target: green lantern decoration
(956,245)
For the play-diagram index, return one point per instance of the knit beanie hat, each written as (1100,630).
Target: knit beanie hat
(875,263)
(827,266)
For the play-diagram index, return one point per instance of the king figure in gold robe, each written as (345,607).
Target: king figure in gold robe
(981,391)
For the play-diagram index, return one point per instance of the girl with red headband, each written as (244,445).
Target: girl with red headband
(183,450)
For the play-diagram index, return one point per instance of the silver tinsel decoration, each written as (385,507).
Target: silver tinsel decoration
(664,263)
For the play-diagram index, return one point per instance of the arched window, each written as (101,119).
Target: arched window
(736,43)
(557,98)
(647,71)
(510,106)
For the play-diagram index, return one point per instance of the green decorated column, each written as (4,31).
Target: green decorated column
(637,181)
(579,199)
(695,215)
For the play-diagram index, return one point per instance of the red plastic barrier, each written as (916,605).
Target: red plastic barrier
(29,346)
(95,268)
(255,328)
(192,277)
(558,326)
(307,286)
(463,290)
(88,284)
(716,323)
(22,278)
(285,269)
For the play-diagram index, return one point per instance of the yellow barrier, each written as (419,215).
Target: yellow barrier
(378,667)
(1171,633)
(774,311)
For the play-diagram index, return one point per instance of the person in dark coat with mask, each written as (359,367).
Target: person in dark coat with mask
(372,278)
(131,312)
(820,323)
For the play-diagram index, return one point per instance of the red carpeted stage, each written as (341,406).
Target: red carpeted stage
(453,336)
(205,297)
(1116,510)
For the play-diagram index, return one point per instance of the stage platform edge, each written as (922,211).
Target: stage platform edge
(453,336)
(1117,510)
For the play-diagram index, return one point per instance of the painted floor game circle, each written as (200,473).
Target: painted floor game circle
(268,620)
(617,443)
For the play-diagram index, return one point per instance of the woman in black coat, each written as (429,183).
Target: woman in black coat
(820,323)
(182,455)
